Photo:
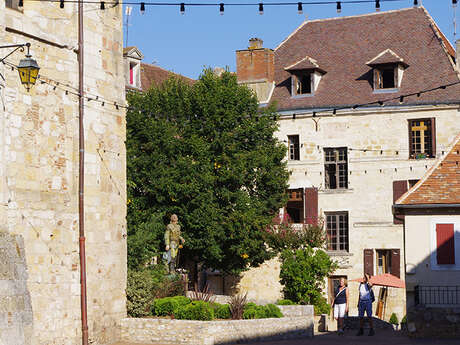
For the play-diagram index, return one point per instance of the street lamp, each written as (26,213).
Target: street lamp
(28,67)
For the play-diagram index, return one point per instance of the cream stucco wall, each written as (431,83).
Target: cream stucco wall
(369,198)
(39,169)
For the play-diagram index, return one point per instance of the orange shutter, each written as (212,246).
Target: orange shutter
(445,244)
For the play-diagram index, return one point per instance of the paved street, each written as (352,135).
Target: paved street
(381,338)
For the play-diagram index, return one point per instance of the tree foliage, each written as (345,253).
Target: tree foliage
(207,153)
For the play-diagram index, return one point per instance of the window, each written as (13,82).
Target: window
(385,77)
(383,261)
(294,151)
(302,83)
(336,168)
(337,231)
(12,4)
(133,74)
(422,138)
(445,244)
(294,206)
(412,183)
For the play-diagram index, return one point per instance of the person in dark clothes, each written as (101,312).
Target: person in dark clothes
(340,304)
(366,298)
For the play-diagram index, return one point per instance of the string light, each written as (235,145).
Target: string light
(221,8)
(454,3)
(377,5)
(261,8)
(415,3)
(142,7)
(299,8)
(339,7)
(21,3)
(182,8)
(102,5)
(61,3)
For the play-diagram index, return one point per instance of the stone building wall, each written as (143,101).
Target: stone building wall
(369,196)
(39,169)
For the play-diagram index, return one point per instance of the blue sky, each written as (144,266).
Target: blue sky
(202,38)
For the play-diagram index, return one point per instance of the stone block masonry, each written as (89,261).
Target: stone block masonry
(185,332)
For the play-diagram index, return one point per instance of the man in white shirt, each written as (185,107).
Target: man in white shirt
(366,297)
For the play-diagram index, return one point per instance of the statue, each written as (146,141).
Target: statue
(172,239)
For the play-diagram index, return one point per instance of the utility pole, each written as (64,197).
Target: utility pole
(127,14)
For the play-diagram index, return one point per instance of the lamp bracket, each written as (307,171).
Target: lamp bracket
(17,47)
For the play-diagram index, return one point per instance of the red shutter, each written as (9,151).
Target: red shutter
(399,188)
(433,137)
(369,261)
(131,75)
(311,205)
(411,151)
(396,262)
(445,244)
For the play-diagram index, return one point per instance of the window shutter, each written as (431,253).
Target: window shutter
(131,75)
(445,244)
(396,262)
(311,206)
(395,76)
(433,137)
(399,188)
(369,261)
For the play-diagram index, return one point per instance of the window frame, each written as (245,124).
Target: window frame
(386,257)
(338,236)
(338,163)
(296,79)
(14,5)
(431,140)
(295,150)
(378,80)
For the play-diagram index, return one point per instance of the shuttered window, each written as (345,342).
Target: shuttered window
(445,244)
(399,188)
(294,149)
(311,205)
(336,167)
(368,258)
(12,4)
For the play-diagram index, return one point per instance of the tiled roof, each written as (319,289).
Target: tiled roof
(387,56)
(440,185)
(151,74)
(306,63)
(343,46)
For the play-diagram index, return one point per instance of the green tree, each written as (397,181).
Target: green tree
(207,153)
(303,274)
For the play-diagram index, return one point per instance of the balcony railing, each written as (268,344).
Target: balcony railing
(437,295)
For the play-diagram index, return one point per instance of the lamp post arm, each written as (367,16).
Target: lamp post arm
(17,46)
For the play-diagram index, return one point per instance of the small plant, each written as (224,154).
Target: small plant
(196,310)
(222,311)
(169,305)
(253,311)
(236,305)
(394,319)
(285,302)
(404,319)
(273,311)
(205,294)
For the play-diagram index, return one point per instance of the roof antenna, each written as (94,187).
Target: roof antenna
(128,10)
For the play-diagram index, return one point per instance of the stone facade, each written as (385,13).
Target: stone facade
(39,172)
(184,332)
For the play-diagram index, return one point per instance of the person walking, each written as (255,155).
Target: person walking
(340,304)
(366,298)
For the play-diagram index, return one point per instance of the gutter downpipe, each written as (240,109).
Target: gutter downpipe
(81,177)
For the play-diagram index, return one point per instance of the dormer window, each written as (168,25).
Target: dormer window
(133,58)
(305,77)
(133,73)
(388,70)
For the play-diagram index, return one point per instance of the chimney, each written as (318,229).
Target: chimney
(255,64)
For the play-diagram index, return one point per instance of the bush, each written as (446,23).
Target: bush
(285,302)
(303,274)
(222,311)
(404,319)
(394,319)
(145,285)
(196,310)
(321,306)
(169,305)
(254,311)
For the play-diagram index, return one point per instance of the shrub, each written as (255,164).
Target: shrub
(145,285)
(321,306)
(205,294)
(273,311)
(169,305)
(404,319)
(254,311)
(222,311)
(237,305)
(394,319)
(303,274)
(196,310)
(285,302)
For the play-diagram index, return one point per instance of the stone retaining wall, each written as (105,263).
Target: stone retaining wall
(434,322)
(185,332)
